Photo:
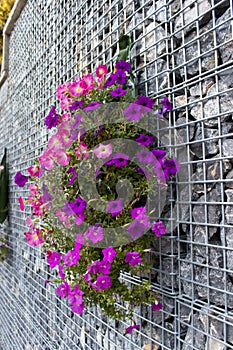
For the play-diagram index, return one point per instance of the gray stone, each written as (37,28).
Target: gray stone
(205,44)
(167,278)
(213,210)
(229,179)
(158,9)
(201,88)
(229,208)
(227,77)
(209,147)
(189,14)
(193,337)
(227,147)
(155,83)
(223,35)
(186,273)
(212,108)
(185,132)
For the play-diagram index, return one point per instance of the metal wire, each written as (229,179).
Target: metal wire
(181,49)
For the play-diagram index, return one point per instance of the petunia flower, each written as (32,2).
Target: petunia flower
(145,156)
(156,307)
(71,258)
(166,104)
(34,238)
(118,92)
(95,233)
(101,70)
(137,211)
(158,228)
(109,254)
(63,290)
(53,258)
(145,101)
(123,65)
(103,151)
(20,179)
(82,151)
(172,166)
(52,119)
(132,258)
(21,203)
(76,89)
(92,106)
(145,140)
(103,282)
(133,112)
(130,328)
(34,170)
(76,105)
(136,229)
(111,80)
(74,175)
(114,207)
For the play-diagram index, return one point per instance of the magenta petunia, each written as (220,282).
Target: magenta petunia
(131,328)
(61,272)
(172,166)
(95,233)
(145,156)
(115,207)
(71,258)
(156,307)
(76,105)
(21,203)
(121,77)
(101,70)
(52,119)
(72,170)
(34,170)
(123,65)
(103,282)
(104,267)
(133,258)
(53,258)
(77,206)
(159,154)
(158,228)
(137,211)
(92,106)
(136,229)
(20,179)
(82,151)
(166,104)
(111,80)
(109,254)
(63,290)
(76,89)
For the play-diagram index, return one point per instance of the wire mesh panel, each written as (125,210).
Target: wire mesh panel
(181,49)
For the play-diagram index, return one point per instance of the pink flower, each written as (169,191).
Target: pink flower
(29,222)
(66,102)
(46,160)
(61,273)
(156,307)
(21,203)
(33,189)
(103,151)
(62,90)
(34,238)
(130,328)
(101,70)
(133,258)
(109,254)
(34,170)
(79,241)
(158,228)
(76,89)
(71,258)
(53,258)
(95,233)
(137,211)
(62,157)
(63,290)
(115,207)
(87,82)
(82,151)
(103,282)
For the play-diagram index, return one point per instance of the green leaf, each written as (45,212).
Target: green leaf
(3,189)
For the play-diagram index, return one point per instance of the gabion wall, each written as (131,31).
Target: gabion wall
(182,49)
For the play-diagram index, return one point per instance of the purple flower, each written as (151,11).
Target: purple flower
(61,273)
(52,119)
(76,105)
(118,92)
(53,259)
(156,307)
(133,258)
(119,160)
(143,171)
(104,267)
(159,154)
(130,328)
(77,206)
(166,104)
(133,112)
(20,179)
(121,77)
(103,282)
(114,207)
(109,254)
(137,211)
(78,309)
(76,301)
(145,156)
(136,229)
(158,229)
(72,170)
(172,166)
(93,267)
(95,233)
(63,290)
(111,80)
(145,101)
(92,106)
(71,257)
(145,140)
(143,219)
(79,241)
(123,65)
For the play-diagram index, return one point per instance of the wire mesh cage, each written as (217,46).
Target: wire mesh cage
(181,49)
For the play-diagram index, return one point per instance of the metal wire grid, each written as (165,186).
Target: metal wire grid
(51,43)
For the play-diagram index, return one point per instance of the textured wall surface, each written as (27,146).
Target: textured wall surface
(182,49)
